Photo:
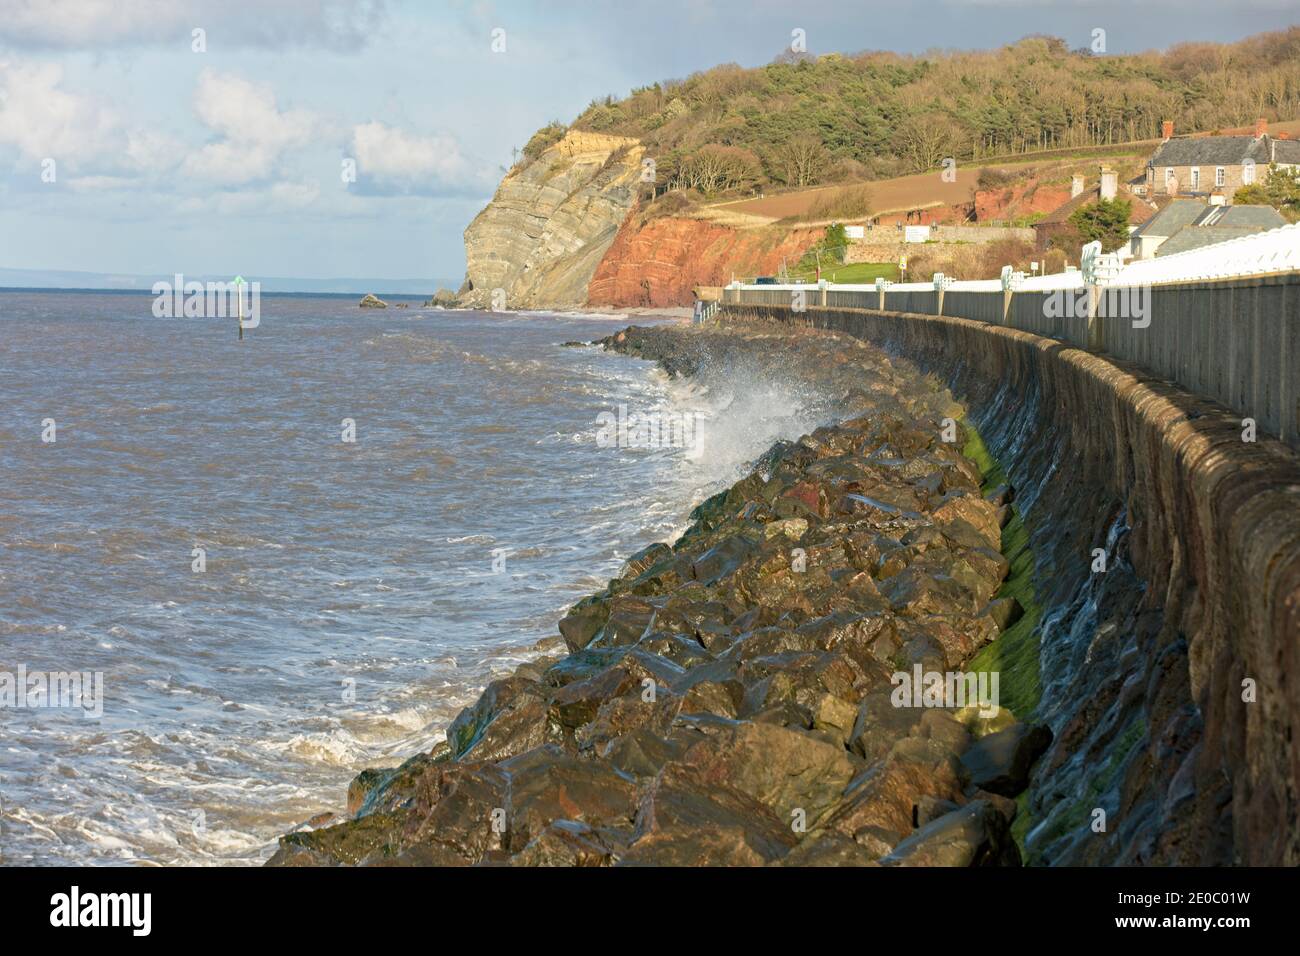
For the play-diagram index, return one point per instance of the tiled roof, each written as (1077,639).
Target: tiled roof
(1225,151)
(1176,215)
(1286,151)
(1211,151)
(1195,237)
(1256,217)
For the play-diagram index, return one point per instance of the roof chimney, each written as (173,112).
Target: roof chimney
(1109,182)
(1167,129)
(1076,185)
(1261,127)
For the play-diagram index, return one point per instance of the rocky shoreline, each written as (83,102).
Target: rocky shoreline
(775,687)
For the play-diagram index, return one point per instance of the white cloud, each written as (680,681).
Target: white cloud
(91,184)
(390,159)
(279,197)
(81,133)
(100,24)
(295,195)
(42,120)
(255,133)
(151,151)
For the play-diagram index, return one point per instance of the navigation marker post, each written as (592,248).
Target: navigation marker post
(239,284)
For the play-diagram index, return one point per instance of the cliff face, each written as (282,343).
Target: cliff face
(1016,201)
(559,233)
(658,263)
(550,223)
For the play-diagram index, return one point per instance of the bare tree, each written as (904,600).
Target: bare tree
(925,140)
(712,168)
(803,160)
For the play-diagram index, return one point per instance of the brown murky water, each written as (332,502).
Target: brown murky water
(349,604)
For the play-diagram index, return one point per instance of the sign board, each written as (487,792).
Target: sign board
(916,234)
(855,232)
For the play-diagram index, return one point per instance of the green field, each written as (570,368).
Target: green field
(858,272)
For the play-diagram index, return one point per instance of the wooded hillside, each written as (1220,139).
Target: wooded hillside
(803,120)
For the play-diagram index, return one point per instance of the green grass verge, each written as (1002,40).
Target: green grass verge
(1014,654)
(854,272)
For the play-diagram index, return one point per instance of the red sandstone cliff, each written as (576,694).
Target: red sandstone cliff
(659,262)
(1017,201)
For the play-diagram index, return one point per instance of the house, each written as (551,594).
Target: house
(1173,218)
(1186,224)
(1199,165)
(1057,222)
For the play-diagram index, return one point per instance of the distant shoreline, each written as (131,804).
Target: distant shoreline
(413,296)
(666,312)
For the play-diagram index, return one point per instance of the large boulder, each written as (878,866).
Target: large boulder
(786,770)
(689,818)
(974,835)
(1000,762)
(443,299)
(512,716)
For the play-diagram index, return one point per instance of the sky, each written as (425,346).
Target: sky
(323,138)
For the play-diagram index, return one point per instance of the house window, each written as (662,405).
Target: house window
(1196,178)
(1247,173)
(1169,175)
(1218,175)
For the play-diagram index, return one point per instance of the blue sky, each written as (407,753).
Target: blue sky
(230,160)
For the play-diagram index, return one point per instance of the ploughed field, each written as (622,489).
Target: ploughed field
(735,698)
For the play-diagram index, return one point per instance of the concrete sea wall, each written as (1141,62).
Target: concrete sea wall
(1235,341)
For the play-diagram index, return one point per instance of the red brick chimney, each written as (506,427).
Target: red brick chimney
(1261,127)
(1167,129)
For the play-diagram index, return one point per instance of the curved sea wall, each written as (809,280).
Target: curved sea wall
(1169,679)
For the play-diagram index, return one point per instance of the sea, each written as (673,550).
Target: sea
(273,562)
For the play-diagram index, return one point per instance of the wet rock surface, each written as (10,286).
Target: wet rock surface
(728,699)
(1166,672)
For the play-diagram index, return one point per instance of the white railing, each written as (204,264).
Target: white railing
(1221,320)
(1264,253)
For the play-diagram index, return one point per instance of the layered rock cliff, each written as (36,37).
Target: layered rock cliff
(562,231)
(551,221)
